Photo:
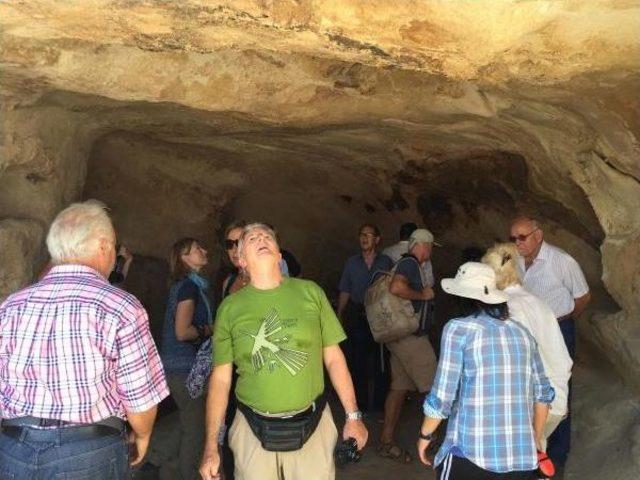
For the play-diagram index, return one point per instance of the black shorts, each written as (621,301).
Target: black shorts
(459,468)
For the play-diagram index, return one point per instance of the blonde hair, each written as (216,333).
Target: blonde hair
(502,258)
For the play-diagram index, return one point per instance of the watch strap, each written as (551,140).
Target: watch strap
(428,437)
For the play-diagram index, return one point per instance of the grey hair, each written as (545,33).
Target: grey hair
(77,230)
(527,218)
(502,259)
(256,226)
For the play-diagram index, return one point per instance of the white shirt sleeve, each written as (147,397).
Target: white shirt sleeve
(573,278)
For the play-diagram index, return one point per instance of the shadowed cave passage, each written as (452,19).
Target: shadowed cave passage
(168,172)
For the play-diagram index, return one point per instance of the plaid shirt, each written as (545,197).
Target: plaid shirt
(74,348)
(489,376)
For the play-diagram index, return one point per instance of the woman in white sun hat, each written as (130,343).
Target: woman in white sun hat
(490,384)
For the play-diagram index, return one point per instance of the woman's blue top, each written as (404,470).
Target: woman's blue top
(178,357)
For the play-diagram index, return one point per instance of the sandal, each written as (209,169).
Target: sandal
(394,452)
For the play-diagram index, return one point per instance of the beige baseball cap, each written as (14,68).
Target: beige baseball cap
(421,235)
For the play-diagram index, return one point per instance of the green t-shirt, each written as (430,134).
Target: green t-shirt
(275,337)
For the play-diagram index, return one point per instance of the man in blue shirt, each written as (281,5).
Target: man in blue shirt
(491,385)
(362,353)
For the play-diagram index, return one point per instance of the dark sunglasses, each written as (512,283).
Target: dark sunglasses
(521,238)
(229,244)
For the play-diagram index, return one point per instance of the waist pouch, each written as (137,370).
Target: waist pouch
(285,434)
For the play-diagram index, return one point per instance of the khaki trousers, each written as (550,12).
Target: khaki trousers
(314,461)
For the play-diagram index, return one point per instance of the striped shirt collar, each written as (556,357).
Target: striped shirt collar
(74,269)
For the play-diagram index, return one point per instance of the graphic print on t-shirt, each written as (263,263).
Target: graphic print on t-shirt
(268,349)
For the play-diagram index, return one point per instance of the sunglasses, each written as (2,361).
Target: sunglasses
(521,238)
(229,244)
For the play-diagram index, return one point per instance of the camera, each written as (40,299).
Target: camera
(347,452)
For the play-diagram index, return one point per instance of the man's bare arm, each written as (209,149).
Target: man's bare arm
(141,426)
(343,298)
(580,304)
(217,400)
(340,377)
(400,287)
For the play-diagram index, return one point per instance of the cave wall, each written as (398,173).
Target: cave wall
(43,158)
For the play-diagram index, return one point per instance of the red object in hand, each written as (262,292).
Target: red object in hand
(545,465)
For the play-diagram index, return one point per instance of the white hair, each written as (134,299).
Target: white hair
(77,231)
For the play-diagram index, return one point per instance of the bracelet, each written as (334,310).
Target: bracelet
(428,437)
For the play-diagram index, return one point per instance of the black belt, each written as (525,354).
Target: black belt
(15,427)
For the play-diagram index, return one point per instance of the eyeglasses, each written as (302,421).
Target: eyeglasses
(521,238)
(229,244)
(368,234)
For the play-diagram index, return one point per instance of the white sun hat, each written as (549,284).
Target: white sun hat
(475,280)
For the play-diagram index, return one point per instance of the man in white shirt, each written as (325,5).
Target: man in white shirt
(553,275)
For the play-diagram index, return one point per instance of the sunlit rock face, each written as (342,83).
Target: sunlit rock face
(319,115)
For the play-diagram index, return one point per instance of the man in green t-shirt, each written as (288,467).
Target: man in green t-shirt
(279,332)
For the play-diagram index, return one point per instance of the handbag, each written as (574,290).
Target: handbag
(200,370)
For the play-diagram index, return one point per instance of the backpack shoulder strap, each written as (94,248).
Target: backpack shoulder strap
(381,273)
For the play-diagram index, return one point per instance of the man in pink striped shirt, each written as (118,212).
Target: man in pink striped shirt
(77,360)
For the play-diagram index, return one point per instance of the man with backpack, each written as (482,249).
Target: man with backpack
(413,361)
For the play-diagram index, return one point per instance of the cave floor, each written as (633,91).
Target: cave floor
(605,413)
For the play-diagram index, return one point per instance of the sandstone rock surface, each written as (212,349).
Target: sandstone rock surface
(20,244)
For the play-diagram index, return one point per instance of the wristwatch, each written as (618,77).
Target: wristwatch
(428,437)
(355,415)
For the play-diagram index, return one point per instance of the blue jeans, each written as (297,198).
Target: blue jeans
(559,443)
(47,454)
